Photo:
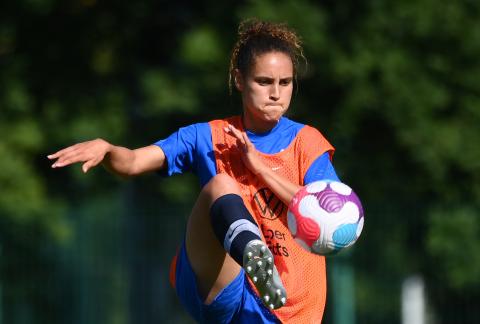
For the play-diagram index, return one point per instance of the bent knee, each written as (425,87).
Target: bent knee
(221,184)
(222,179)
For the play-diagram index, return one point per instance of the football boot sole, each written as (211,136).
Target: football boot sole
(259,265)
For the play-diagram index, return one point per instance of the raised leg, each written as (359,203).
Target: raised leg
(221,223)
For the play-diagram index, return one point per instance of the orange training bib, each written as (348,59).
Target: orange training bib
(303,273)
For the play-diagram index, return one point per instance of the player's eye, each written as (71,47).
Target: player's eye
(263,81)
(285,82)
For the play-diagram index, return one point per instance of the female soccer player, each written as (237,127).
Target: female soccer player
(239,262)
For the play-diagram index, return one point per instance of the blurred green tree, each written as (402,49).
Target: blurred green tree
(393,85)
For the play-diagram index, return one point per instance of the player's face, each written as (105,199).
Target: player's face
(266,90)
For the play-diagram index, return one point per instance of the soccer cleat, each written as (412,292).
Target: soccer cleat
(259,266)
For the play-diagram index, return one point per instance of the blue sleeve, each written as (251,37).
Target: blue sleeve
(190,149)
(321,169)
(179,149)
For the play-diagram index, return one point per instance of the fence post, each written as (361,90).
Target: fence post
(343,284)
(413,300)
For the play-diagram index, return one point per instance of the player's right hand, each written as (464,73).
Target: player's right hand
(90,153)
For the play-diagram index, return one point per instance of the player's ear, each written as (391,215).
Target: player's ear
(238,79)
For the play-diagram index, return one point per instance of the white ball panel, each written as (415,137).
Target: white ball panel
(316,186)
(360,227)
(292,223)
(341,188)
(309,207)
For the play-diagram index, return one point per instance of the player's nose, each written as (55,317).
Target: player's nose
(274,92)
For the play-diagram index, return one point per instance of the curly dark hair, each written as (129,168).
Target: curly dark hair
(259,37)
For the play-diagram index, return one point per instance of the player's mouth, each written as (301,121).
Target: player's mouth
(274,105)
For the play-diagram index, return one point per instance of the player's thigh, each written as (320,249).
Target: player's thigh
(213,267)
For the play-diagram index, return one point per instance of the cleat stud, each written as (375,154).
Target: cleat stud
(250,255)
(266,298)
(249,269)
(271,306)
(269,260)
(259,263)
(269,272)
(263,249)
(255,279)
(283,300)
(279,292)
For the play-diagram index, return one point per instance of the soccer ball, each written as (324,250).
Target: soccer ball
(325,217)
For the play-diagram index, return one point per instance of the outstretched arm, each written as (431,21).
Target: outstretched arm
(281,187)
(118,160)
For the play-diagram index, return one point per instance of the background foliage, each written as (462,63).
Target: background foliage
(393,85)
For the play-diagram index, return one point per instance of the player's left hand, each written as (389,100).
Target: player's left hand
(249,153)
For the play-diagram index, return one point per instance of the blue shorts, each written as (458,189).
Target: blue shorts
(236,303)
